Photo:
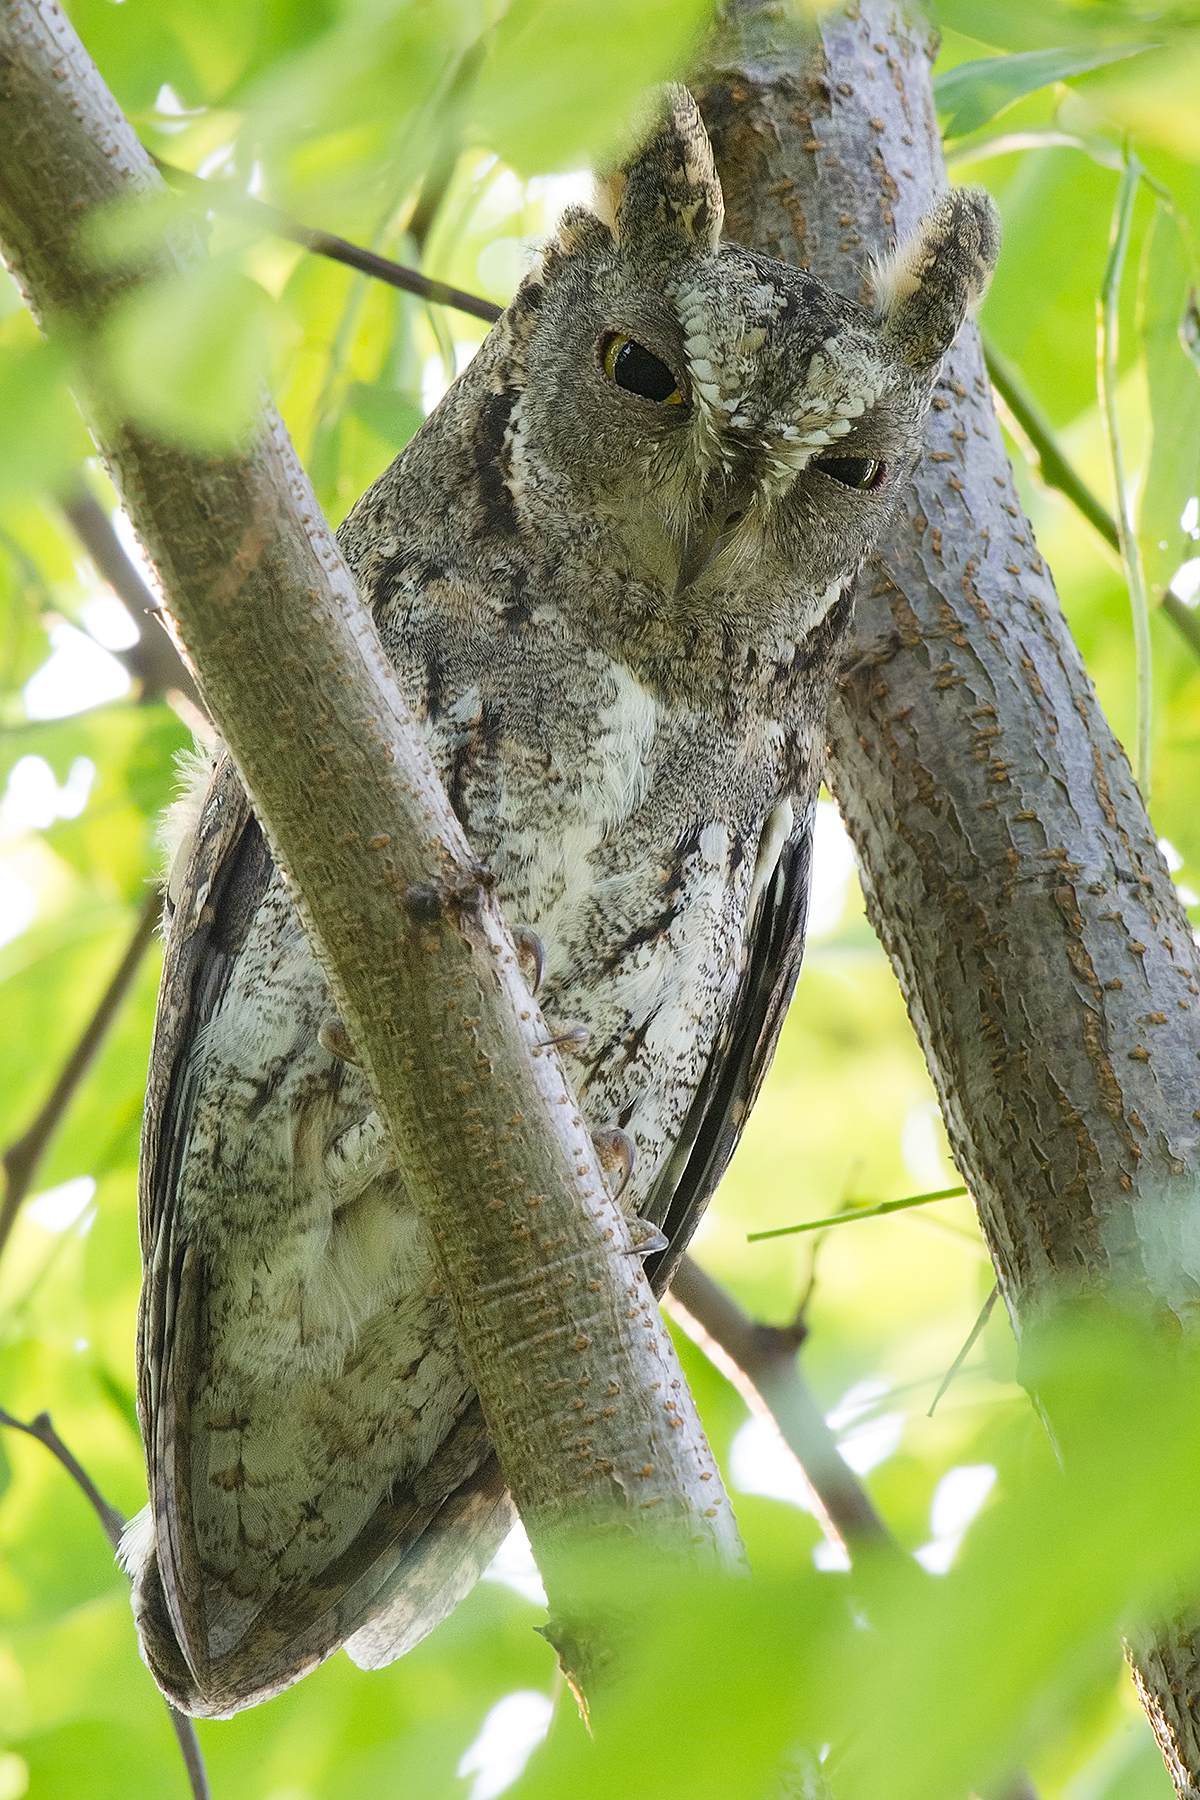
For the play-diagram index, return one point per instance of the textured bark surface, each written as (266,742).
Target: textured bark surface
(585,1401)
(1008,861)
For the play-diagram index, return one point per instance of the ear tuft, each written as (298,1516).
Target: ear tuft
(926,287)
(665,205)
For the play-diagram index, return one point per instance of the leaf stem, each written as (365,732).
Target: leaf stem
(857,1212)
(1052,465)
(1045,455)
(1108,304)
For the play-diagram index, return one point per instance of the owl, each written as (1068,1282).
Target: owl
(613,573)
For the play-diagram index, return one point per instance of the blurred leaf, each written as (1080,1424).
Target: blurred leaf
(973,92)
(562,77)
(1040,308)
(392,415)
(1023,25)
(1173,473)
(347,123)
(53,439)
(189,354)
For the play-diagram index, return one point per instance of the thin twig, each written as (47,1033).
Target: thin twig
(1108,305)
(153,660)
(22,1157)
(326,243)
(760,1361)
(985,1313)
(856,1212)
(1045,453)
(43,1430)
(113,1524)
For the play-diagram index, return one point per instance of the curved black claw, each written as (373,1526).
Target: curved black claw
(616,1155)
(334,1037)
(531,955)
(570,1035)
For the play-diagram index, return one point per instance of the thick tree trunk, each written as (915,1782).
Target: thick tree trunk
(1008,861)
(586,1405)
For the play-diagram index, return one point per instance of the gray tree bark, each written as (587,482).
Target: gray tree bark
(1009,864)
(587,1407)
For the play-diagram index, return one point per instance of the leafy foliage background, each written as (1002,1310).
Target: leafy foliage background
(339,110)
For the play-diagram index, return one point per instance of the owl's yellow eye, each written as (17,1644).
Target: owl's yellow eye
(631,366)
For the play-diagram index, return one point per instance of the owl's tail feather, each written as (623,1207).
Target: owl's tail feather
(422,1553)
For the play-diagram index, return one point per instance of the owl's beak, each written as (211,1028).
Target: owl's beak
(708,534)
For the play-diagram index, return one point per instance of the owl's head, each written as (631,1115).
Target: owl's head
(719,423)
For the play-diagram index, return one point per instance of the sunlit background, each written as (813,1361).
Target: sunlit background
(337,117)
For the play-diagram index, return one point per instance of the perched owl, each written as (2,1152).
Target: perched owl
(613,573)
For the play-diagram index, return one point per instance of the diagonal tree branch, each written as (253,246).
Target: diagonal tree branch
(551,1305)
(112,1524)
(1008,862)
(762,1363)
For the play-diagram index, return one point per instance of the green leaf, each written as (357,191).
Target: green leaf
(52,438)
(1173,381)
(189,354)
(393,416)
(349,123)
(562,77)
(974,92)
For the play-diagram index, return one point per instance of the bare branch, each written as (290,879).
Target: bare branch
(113,1525)
(761,1362)
(22,1157)
(41,1428)
(327,243)
(153,660)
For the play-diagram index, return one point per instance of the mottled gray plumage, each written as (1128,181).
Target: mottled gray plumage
(615,610)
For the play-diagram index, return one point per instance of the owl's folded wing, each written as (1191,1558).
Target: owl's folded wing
(742,1054)
(216,1644)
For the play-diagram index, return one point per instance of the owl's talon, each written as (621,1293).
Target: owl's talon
(572,1035)
(333,1037)
(616,1155)
(645,1238)
(531,956)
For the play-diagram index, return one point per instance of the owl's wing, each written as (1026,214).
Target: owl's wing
(742,1055)
(214,1650)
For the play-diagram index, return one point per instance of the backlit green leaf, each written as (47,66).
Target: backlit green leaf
(974,92)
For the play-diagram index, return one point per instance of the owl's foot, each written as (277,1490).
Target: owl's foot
(531,956)
(645,1239)
(616,1154)
(334,1037)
